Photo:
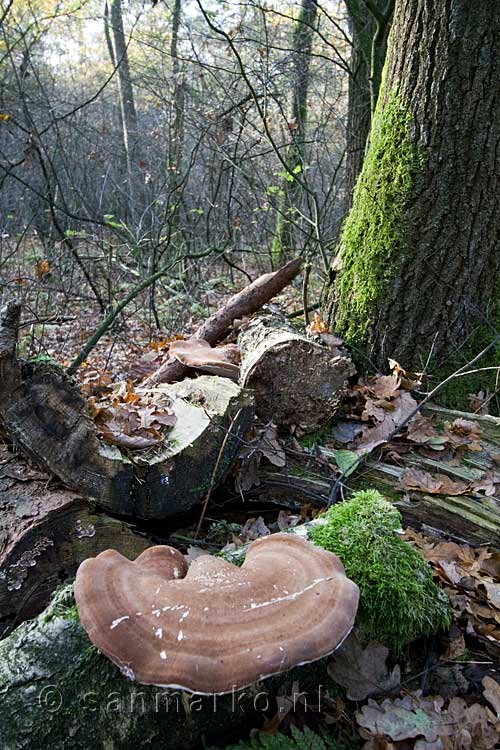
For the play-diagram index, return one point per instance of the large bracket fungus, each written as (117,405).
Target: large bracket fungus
(220,627)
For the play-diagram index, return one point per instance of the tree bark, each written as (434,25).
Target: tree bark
(419,250)
(370,24)
(45,533)
(468,518)
(303,35)
(128,114)
(297,381)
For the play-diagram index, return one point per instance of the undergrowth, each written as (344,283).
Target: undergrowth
(399,601)
(305,740)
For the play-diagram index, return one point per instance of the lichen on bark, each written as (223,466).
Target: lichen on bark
(372,240)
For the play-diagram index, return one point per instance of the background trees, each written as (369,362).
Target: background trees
(135,134)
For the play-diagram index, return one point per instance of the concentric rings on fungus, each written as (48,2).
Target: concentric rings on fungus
(220,627)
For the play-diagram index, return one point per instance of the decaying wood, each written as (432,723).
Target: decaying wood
(216,328)
(297,381)
(45,414)
(58,691)
(471,518)
(45,533)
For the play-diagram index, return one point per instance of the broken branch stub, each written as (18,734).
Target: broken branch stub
(221,627)
(217,327)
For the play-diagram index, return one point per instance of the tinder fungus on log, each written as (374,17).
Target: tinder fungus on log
(221,627)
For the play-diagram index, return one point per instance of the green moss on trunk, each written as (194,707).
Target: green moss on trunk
(372,240)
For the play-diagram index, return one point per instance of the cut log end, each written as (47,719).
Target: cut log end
(297,382)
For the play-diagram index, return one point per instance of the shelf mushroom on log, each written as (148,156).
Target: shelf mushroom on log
(220,627)
(197,354)
(297,381)
(44,413)
(49,669)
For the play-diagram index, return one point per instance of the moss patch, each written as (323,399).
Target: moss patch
(372,240)
(399,601)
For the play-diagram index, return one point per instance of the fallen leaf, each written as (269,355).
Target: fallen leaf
(403,405)
(42,268)
(363,671)
(492,592)
(317,325)
(438,484)
(254,528)
(491,693)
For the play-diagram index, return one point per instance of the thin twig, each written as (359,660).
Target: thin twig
(214,473)
(305,284)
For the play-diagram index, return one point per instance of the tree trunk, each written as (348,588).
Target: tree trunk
(128,114)
(292,190)
(45,533)
(59,692)
(44,413)
(419,250)
(370,24)
(297,381)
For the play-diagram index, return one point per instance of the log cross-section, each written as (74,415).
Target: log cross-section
(44,413)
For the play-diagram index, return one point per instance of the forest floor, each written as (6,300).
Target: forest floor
(420,693)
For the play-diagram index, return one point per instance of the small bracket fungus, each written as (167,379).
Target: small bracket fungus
(221,627)
(198,354)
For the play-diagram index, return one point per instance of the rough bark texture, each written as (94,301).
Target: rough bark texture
(303,35)
(296,381)
(420,248)
(128,114)
(369,24)
(358,118)
(57,691)
(45,414)
(45,533)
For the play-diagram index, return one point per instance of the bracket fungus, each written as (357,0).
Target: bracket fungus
(220,627)
(199,355)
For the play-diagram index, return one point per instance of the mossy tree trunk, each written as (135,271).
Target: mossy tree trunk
(369,31)
(419,252)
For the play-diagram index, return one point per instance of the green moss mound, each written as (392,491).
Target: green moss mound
(399,601)
(371,242)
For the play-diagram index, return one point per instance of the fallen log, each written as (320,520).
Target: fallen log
(45,533)
(297,382)
(44,413)
(58,691)
(217,327)
(471,518)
